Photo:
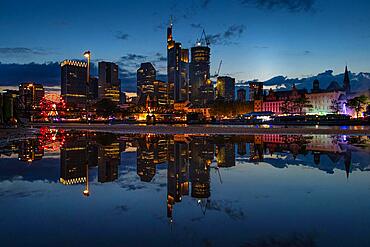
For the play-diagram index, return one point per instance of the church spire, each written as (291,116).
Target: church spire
(346,81)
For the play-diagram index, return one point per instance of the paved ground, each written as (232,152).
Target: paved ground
(213,129)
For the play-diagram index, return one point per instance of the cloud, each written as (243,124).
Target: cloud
(16,51)
(13,74)
(121,36)
(205,3)
(290,5)
(196,25)
(228,36)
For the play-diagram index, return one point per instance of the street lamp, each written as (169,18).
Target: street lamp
(87,55)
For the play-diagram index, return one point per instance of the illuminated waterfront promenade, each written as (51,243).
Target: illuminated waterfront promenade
(214,129)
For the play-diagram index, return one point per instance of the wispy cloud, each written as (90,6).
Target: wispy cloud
(290,5)
(229,36)
(11,51)
(121,35)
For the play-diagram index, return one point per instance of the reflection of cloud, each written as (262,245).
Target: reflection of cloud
(122,208)
(227,207)
(290,5)
(299,240)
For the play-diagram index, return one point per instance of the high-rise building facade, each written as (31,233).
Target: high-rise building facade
(145,76)
(74,83)
(200,84)
(30,95)
(226,88)
(109,84)
(177,69)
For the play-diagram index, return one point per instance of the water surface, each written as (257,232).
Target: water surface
(69,188)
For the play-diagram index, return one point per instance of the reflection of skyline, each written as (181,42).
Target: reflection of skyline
(188,158)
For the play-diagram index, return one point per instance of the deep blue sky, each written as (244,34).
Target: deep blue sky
(256,39)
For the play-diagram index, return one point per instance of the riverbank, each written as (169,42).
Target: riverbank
(209,129)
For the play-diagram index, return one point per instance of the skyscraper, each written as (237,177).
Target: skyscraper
(226,88)
(109,84)
(145,76)
(30,95)
(74,83)
(346,81)
(201,86)
(177,69)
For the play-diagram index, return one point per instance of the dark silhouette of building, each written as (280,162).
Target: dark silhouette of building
(201,86)
(74,83)
(316,86)
(346,81)
(226,88)
(93,89)
(242,95)
(109,84)
(255,90)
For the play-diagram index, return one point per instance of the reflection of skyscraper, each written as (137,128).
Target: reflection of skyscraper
(108,161)
(225,155)
(201,156)
(30,150)
(151,151)
(242,148)
(177,173)
(73,160)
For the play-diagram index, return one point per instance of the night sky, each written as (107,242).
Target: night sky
(256,39)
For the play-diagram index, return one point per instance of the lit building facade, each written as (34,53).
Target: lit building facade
(74,83)
(177,70)
(145,76)
(202,90)
(30,95)
(226,88)
(109,84)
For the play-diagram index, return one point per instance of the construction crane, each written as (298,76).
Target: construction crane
(203,41)
(217,73)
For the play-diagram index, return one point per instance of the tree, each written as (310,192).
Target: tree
(301,103)
(335,106)
(358,104)
(286,108)
(106,108)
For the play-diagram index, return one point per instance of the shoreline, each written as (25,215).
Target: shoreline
(206,129)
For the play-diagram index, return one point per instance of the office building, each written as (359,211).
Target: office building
(109,84)
(201,86)
(145,77)
(177,69)
(30,95)
(74,84)
(225,88)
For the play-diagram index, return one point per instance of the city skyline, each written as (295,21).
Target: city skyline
(302,44)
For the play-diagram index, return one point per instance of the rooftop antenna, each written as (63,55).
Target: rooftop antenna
(203,41)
